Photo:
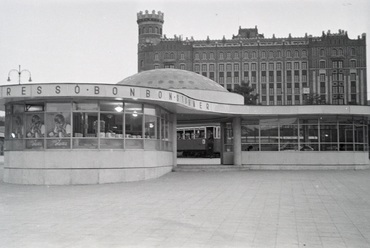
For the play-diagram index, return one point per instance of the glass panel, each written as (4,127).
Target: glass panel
(228,140)
(289,137)
(150,110)
(58,107)
(85,143)
(85,124)
(134,144)
(309,147)
(359,134)
(328,119)
(37,107)
(58,125)
(133,126)
(86,106)
(269,147)
(346,133)
(35,144)
(133,108)
(35,127)
(18,108)
(269,134)
(111,125)
(111,106)
(250,147)
(152,144)
(345,119)
(151,127)
(111,143)
(14,145)
(308,120)
(308,134)
(328,134)
(58,143)
(17,127)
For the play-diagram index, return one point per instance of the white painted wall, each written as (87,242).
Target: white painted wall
(305,160)
(84,167)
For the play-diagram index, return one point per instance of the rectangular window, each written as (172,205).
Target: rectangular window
(278,66)
(271,66)
(254,76)
(221,67)
(228,67)
(236,67)
(197,68)
(278,75)
(204,67)
(254,66)
(263,76)
(211,67)
(296,65)
(322,87)
(322,77)
(246,67)
(322,64)
(263,66)
(271,76)
(288,65)
(304,65)
(289,76)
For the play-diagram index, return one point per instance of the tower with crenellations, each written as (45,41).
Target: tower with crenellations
(150,26)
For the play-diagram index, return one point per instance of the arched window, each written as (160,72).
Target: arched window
(236,55)
(254,54)
(172,56)
(304,53)
(288,53)
(196,55)
(278,54)
(353,51)
(271,54)
(245,55)
(263,55)
(322,52)
(150,30)
(204,56)
(156,57)
(340,51)
(221,55)
(296,53)
(334,52)
(156,30)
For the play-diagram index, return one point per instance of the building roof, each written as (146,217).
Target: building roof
(172,79)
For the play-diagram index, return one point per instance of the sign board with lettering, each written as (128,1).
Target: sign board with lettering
(102,91)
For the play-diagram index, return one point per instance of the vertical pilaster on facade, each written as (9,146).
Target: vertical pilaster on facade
(174,143)
(237,141)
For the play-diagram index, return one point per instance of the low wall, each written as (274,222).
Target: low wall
(305,160)
(84,166)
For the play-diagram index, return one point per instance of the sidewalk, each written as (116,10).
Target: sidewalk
(193,209)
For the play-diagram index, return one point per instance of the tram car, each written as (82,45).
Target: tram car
(192,141)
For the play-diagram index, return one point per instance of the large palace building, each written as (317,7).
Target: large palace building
(330,68)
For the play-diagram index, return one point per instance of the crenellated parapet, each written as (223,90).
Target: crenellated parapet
(153,16)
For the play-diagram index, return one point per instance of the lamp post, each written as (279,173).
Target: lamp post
(19,71)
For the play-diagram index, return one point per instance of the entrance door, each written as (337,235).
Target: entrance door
(227,151)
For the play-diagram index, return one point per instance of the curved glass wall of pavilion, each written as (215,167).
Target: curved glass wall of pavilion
(339,133)
(103,125)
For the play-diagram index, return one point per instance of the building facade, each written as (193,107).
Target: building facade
(326,69)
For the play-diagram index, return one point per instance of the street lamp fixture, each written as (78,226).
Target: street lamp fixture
(19,71)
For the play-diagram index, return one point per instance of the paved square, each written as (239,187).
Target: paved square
(194,209)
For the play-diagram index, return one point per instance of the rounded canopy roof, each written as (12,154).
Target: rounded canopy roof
(172,79)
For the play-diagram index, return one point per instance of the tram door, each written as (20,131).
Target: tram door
(227,143)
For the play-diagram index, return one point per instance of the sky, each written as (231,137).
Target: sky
(96,40)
